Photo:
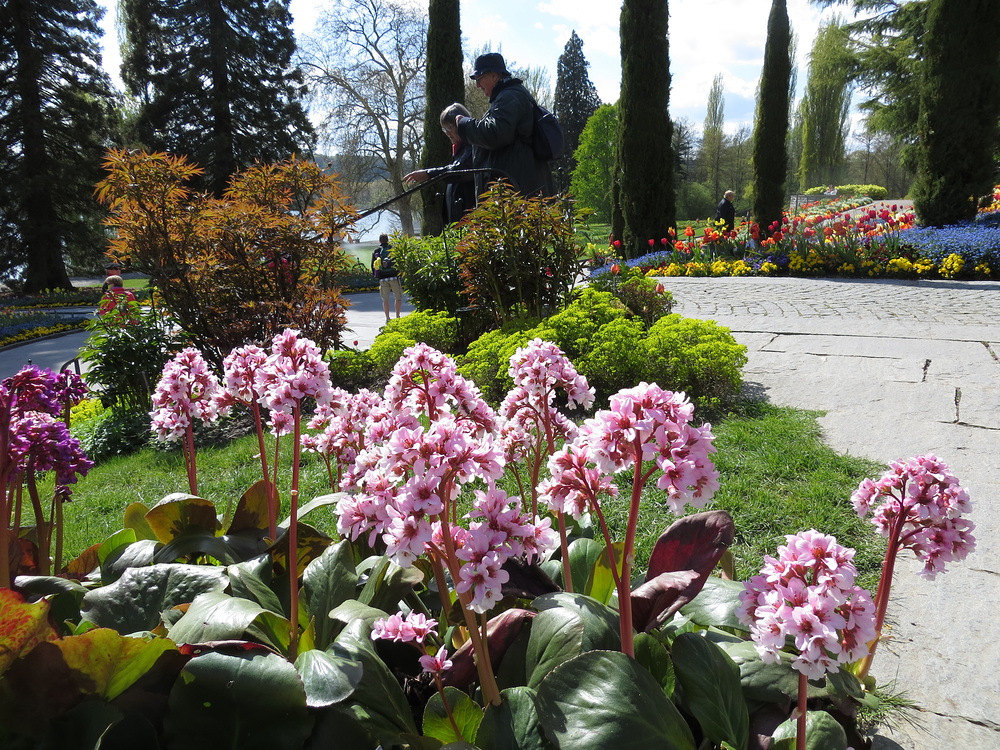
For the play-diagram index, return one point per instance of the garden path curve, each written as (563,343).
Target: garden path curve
(900,368)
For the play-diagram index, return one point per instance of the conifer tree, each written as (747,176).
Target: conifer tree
(215,82)
(771,131)
(54,105)
(643,188)
(959,110)
(445,85)
(576,101)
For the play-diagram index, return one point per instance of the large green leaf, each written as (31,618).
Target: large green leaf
(768,683)
(467,714)
(64,595)
(561,633)
(136,555)
(514,724)
(653,655)
(378,702)
(246,584)
(580,603)
(712,691)
(823,732)
(601,585)
(716,604)
(245,701)
(251,511)
(329,581)
(605,699)
(583,555)
(388,583)
(135,519)
(215,616)
(327,678)
(179,514)
(354,611)
(134,602)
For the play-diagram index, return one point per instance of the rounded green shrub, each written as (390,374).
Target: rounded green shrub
(437,329)
(698,357)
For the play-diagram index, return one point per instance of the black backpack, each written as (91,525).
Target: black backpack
(547,139)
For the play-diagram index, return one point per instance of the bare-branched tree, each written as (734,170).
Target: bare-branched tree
(365,64)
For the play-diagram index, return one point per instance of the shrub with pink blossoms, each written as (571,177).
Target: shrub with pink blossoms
(808,594)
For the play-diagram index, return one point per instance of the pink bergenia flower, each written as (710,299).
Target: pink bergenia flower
(643,423)
(425,381)
(294,370)
(808,594)
(920,502)
(437,663)
(239,371)
(187,390)
(412,628)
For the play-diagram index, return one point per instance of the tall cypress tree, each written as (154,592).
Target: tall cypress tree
(771,132)
(959,109)
(576,101)
(445,85)
(643,189)
(215,82)
(54,104)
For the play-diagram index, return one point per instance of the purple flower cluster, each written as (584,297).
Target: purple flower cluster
(30,402)
(920,503)
(807,593)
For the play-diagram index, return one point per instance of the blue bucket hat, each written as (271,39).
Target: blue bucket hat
(491,62)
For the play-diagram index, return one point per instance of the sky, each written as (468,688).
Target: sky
(706,38)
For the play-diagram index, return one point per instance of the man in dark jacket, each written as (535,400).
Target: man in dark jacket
(726,212)
(502,136)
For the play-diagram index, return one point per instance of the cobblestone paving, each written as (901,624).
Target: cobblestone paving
(941,302)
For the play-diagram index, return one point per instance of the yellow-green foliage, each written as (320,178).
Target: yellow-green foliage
(614,350)
(875,192)
(698,357)
(437,329)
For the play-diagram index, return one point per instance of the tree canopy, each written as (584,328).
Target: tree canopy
(214,82)
(576,100)
(54,123)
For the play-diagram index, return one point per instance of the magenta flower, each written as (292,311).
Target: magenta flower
(808,595)
(918,504)
(437,663)
(187,390)
(412,628)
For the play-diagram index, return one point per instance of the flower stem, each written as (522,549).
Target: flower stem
(189,460)
(884,587)
(564,546)
(800,722)
(293,536)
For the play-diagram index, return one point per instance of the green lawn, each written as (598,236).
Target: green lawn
(777,478)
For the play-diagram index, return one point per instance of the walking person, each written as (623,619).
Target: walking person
(384,269)
(503,135)
(460,190)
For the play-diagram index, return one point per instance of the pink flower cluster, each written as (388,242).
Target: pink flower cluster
(408,474)
(411,628)
(644,423)
(294,370)
(343,425)
(239,375)
(528,411)
(808,594)
(920,503)
(187,390)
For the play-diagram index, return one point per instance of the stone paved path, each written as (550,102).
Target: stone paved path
(898,369)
